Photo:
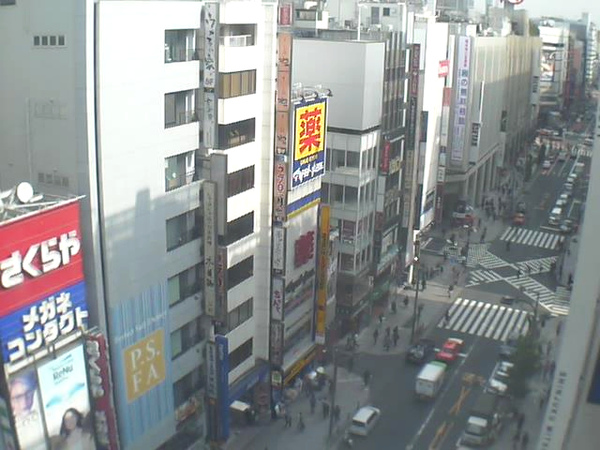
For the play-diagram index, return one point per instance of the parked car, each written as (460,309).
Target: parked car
(567,226)
(546,164)
(572,178)
(560,203)
(450,350)
(421,351)
(562,156)
(508,348)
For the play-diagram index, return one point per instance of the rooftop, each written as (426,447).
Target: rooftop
(21,200)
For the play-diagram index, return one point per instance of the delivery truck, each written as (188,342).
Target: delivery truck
(430,380)
(484,422)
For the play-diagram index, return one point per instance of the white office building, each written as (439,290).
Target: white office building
(134,104)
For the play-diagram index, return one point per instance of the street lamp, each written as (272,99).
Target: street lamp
(416,262)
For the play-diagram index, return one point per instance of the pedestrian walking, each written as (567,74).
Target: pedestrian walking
(351,363)
(525,440)
(508,246)
(396,336)
(518,273)
(381,317)
(387,343)
(325,409)
(313,404)
(548,348)
(375,336)
(288,420)
(558,325)
(336,413)
(405,301)
(394,308)
(423,284)
(552,368)
(520,422)
(367,377)
(301,425)
(388,331)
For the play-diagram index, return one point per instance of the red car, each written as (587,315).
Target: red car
(450,350)
(519,219)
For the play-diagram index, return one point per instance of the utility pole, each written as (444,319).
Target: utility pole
(416,263)
(333,389)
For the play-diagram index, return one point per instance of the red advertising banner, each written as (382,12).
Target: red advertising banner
(444,68)
(40,254)
(285,15)
(105,422)
(384,166)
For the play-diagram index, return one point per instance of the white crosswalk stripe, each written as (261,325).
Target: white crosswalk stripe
(484,319)
(478,277)
(534,238)
(538,292)
(476,253)
(533,266)
(563,294)
(491,261)
(585,152)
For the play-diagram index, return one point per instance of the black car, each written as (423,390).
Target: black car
(421,351)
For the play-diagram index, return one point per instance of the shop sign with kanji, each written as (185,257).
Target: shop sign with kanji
(309,146)
(41,324)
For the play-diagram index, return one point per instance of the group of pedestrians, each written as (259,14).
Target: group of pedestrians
(390,336)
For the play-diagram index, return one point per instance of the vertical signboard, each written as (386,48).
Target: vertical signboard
(276,343)
(409,167)
(221,306)
(278,250)
(285,14)
(321,310)
(310,128)
(280,191)
(65,399)
(211,50)
(384,165)
(212,390)
(462,98)
(141,361)
(222,345)
(105,422)
(278,299)
(210,234)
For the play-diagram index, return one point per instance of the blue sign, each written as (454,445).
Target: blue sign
(131,321)
(223,385)
(40,324)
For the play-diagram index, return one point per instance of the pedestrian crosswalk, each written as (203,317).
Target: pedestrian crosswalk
(491,261)
(484,319)
(482,276)
(534,238)
(476,253)
(585,152)
(539,265)
(563,294)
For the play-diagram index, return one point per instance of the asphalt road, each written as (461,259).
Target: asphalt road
(408,423)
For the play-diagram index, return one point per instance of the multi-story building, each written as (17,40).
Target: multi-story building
(141,124)
(554,68)
(488,71)
(572,412)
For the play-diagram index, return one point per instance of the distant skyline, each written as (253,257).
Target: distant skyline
(569,9)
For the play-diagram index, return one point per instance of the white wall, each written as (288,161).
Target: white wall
(354,73)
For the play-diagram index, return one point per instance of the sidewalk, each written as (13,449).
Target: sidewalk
(533,406)
(350,394)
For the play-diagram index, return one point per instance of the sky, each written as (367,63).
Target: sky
(569,9)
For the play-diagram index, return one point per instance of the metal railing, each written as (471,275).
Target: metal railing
(241,40)
(181,55)
(174,182)
(184,238)
(182,118)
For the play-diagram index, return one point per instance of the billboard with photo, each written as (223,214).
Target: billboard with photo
(26,406)
(65,401)
(141,356)
(40,254)
(310,129)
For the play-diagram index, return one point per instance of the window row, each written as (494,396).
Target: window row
(240,354)
(186,337)
(237,133)
(180,107)
(240,314)
(185,284)
(180,46)
(187,386)
(239,228)
(354,160)
(52,178)
(349,195)
(49,41)
(183,228)
(236,84)
(240,272)
(180,170)
(357,262)
(240,181)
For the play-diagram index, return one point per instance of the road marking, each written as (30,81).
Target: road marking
(464,393)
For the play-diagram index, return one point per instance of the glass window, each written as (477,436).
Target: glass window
(339,158)
(235,84)
(240,314)
(44,40)
(240,354)
(352,159)
(184,284)
(240,272)
(180,170)
(190,383)
(237,133)
(240,181)
(351,195)
(186,337)
(53,40)
(61,40)
(183,229)
(239,228)
(36,41)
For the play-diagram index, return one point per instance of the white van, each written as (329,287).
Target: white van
(364,420)
(555,216)
(430,379)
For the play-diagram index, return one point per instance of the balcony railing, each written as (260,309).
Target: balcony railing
(184,238)
(174,182)
(180,54)
(182,118)
(242,40)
